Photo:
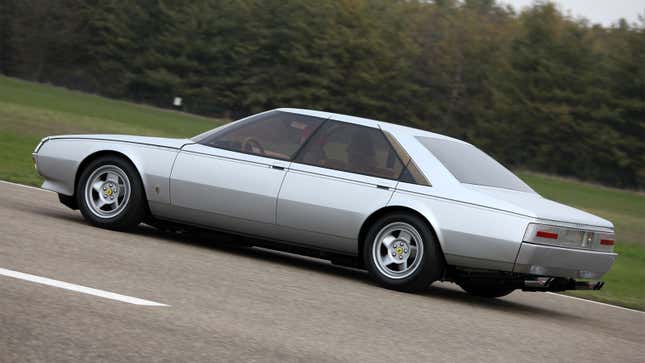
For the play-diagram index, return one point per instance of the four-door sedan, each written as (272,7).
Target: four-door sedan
(409,205)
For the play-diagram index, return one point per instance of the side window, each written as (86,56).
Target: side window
(353,148)
(274,134)
(411,173)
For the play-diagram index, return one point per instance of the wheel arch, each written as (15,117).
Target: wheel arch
(98,154)
(372,218)
(109,152)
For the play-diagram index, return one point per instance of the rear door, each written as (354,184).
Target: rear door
(231,179)
(342,174)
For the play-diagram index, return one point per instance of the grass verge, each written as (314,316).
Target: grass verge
(29,112)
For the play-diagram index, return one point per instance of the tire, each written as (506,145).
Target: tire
(486,291)
(404,272)
(105,180)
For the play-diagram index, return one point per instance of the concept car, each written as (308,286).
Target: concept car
(410,206)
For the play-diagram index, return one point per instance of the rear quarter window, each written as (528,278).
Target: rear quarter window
(472,166)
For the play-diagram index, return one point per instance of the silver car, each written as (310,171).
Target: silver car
(410,206)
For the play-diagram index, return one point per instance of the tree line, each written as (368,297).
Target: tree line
(537,89)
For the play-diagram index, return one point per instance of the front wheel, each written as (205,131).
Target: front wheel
(110,193)
(401,253)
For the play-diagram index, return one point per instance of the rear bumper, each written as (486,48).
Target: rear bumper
(554,261)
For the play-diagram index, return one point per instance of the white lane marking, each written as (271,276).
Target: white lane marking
(597,302)
(25,186)
(78,288)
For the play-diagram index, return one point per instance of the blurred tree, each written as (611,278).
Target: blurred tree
(537,89)
(7,48)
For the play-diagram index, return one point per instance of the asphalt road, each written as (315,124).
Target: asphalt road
(249,304)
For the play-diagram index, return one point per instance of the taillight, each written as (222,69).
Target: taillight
(569,237)
(543,234)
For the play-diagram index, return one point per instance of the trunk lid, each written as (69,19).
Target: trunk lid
(543,208)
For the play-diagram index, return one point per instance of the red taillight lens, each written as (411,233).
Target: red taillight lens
(544,234)
(563,236)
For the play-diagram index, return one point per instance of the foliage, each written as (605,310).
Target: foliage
(537,89)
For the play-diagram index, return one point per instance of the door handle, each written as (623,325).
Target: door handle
(277,167)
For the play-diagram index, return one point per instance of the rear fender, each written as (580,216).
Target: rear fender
(470,235)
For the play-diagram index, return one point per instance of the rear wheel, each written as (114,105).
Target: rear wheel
(110,193)
(401,253)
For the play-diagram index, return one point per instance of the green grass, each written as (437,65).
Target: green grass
(625,282)
(31,111)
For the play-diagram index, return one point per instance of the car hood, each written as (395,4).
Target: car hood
(157,141)
(542,208)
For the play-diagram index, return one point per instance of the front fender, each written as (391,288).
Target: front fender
(58,161)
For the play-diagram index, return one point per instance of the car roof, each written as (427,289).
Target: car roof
(411,131)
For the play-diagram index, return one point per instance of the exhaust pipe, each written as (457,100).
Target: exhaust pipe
(589,285)
(557,284)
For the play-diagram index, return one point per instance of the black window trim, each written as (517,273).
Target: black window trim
(297,153)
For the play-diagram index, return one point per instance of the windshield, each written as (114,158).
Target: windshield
(472,166)
(206,134)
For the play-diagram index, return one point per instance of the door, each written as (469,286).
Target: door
(344,173)
(230,180)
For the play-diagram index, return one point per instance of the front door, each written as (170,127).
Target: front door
(231,179)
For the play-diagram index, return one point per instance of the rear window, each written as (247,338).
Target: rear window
(472,166)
